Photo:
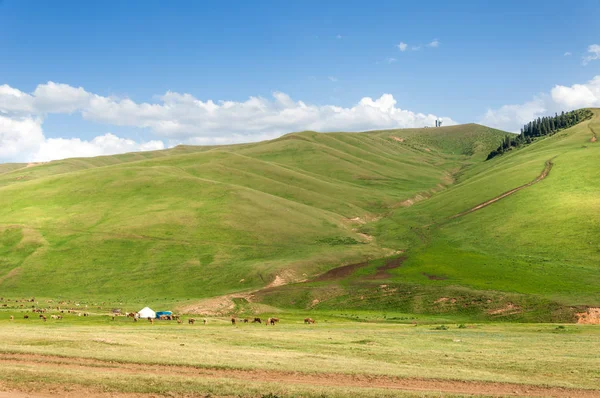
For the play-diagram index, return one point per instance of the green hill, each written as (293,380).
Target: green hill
(533,255)
(196,222)
(199,221)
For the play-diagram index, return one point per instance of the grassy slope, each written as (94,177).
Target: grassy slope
(537,249)
(199,221)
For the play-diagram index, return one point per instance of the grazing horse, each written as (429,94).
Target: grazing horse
(25,316)
(205,321)
(12,317)
(256,320)
(273,321)
(309,320)
(151,320)
(179,321)
(191,321)
(233,321)
(43,317)
(245,320)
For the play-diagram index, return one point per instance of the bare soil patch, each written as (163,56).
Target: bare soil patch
(397,139)
(590,317)
(314,379)
(340,272)
(382,272)
(508,309)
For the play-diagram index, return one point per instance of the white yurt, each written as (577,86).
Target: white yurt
(146,313)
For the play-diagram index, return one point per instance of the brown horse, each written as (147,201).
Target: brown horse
(256,320)
(309,320)
(233,321)
(191,321)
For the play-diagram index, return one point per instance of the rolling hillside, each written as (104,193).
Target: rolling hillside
(196,222)
(532,255)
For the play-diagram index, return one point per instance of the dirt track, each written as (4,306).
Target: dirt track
(480,206)
(55,363)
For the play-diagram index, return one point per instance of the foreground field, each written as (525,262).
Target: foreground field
(332,358)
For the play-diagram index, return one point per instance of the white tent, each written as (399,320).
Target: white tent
(146,313)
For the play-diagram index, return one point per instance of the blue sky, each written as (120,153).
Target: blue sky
(488,55)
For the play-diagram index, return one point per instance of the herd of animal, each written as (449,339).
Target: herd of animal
(134,315)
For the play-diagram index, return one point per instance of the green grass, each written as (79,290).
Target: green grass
(541,354)
(196,222)
(540,241)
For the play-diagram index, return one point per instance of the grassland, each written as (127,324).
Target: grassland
(195,222)
(265,227)
(532,256)
(192,223)
(335,357)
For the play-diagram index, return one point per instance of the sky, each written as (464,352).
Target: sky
(82,78)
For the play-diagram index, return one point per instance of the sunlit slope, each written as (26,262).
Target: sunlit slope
(200,221)
(19,172)
(472,140)
(543,240)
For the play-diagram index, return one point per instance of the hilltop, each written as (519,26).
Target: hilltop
(197,222)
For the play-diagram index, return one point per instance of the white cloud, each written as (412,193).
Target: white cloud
(434,43)
(180,118)
(560,98)
(415,48)
(333,78)
(391,60)
(512,117)
(567,54)
(593,54)
(108,144)
(402,46)
(578,95)
(18,136)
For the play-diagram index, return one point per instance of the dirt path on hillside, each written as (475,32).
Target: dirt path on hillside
(480,206)
(358,381)
(594,135)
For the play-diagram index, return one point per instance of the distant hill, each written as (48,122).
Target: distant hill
(195,222)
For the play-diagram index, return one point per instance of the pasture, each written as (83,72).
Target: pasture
(334,357)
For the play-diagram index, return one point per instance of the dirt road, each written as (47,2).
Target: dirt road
(357,381)
(480,206)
